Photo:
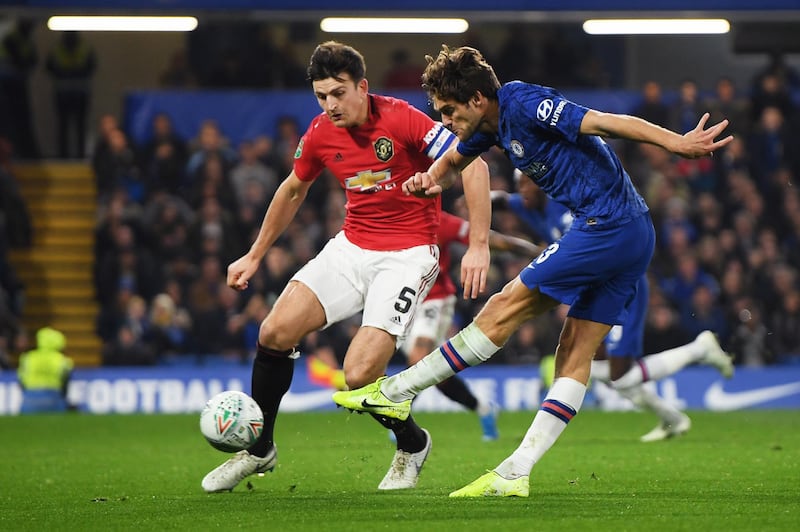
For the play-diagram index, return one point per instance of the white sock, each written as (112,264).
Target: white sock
(468,348)
(601,370)
(645,398)
(659,365)
(561,404)
(632,378)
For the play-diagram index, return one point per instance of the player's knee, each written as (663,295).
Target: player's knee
(275,336)
(505,312)
(358,376)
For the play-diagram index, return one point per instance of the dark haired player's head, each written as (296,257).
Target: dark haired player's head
(331,59)
(458,74)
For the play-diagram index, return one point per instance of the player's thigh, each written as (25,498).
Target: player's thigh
(296,312)
(397,284)
(335,277)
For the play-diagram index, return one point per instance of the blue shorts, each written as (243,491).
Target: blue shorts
(628,339)
(595,272)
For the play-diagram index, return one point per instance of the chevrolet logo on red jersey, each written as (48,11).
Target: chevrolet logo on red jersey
(367,180)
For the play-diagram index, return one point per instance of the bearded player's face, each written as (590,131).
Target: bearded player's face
(463,119)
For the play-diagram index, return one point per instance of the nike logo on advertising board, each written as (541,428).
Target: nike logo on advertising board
(716,398)
(300,401)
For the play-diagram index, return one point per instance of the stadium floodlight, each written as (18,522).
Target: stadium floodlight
(393,25)
(666,26)
(119,23)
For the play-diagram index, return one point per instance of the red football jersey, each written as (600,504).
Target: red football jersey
(451,229)
(371,162)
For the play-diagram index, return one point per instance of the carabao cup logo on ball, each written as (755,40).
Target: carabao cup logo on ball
(231,421)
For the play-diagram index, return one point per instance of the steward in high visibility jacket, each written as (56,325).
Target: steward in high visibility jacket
(44,374)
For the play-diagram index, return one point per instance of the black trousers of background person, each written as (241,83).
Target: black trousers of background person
(72,108)
(15,114)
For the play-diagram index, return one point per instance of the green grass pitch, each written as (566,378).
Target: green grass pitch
(732,471)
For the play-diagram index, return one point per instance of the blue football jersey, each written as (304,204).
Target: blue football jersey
(539,132)
(549,225)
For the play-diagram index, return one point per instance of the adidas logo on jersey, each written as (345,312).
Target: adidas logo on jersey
(396,320)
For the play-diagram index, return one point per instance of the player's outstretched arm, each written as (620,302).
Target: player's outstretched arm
(699,142)
(281,211)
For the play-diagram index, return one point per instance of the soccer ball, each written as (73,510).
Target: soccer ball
(231,421)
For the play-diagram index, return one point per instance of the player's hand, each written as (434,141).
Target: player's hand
(241,270)
(699,142)
(422,185)
(474,271)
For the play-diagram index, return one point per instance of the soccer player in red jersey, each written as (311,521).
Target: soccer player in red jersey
(382,263)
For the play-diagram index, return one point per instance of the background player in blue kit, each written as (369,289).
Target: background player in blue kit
(622,365)
(546,219)
(594,268)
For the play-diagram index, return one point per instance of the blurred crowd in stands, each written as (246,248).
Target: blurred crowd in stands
(174,212)
(15,232)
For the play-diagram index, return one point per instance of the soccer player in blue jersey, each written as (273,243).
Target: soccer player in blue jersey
(622,365)
(594,268)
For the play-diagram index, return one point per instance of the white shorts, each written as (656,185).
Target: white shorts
(433,320)
(386,285)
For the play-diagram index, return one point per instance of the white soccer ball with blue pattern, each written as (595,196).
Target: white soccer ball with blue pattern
(231,421)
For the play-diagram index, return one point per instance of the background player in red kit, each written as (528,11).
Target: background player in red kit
(383,261)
